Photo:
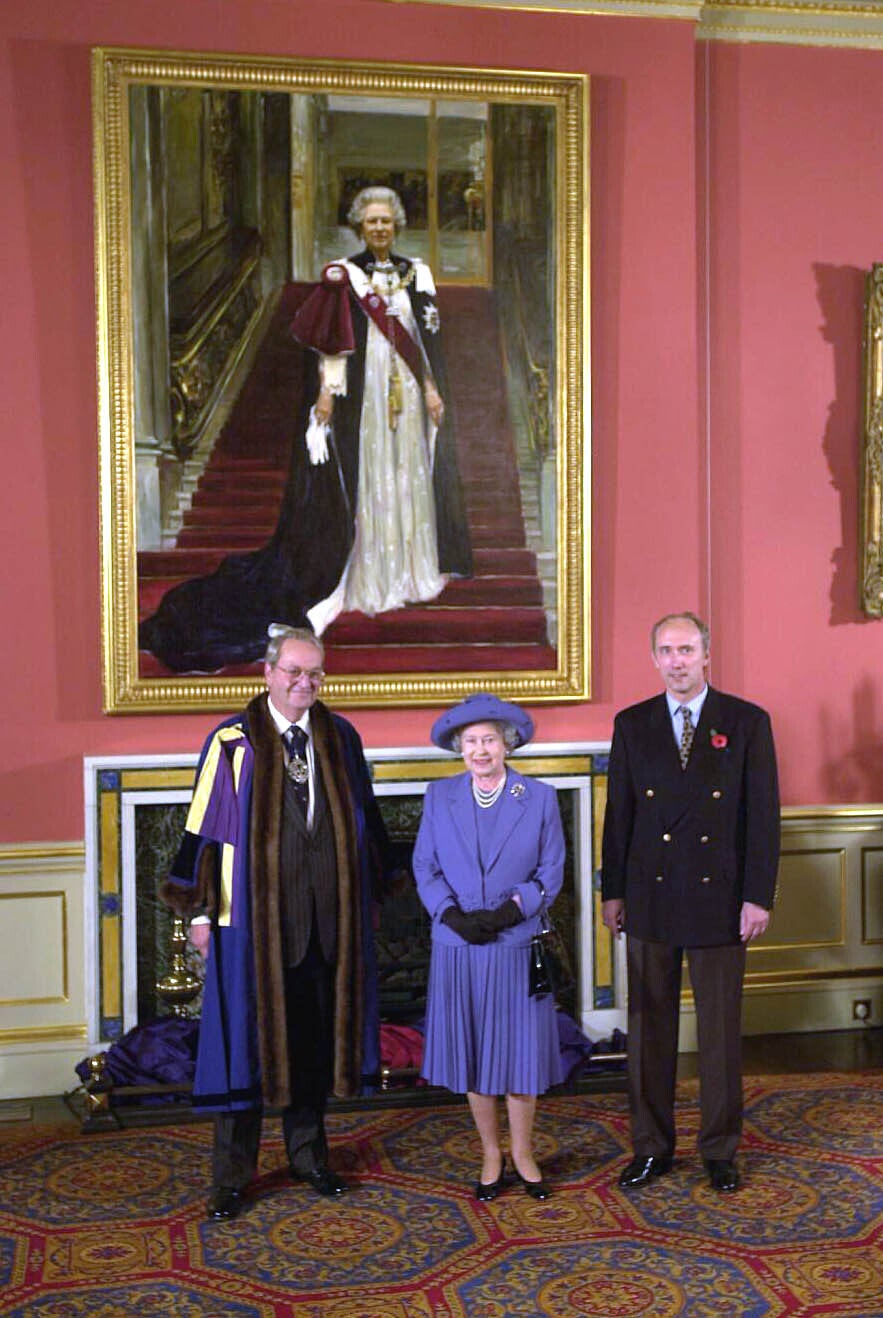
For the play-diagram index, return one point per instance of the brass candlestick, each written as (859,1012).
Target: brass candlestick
(179,986)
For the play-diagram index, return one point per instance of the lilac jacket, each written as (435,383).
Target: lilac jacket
(527,856)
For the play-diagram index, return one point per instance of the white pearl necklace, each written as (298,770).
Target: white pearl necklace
(487,799)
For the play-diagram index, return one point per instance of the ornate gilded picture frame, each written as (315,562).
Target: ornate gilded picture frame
(871,546)
(390,444)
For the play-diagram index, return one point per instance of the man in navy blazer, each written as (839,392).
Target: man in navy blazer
(689,861)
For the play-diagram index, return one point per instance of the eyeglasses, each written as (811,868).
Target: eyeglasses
(314,675)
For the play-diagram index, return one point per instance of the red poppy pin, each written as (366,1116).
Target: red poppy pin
(718,740)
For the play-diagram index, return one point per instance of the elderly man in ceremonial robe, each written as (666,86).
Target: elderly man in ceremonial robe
(282,845)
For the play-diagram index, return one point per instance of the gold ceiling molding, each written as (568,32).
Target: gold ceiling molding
(848,23)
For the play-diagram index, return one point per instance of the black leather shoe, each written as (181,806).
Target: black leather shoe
(536,1189)
(641,1170)
(486,1191)
(224,1203)
(722,1174)
(325,1182)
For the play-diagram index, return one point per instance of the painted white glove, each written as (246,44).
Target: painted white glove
(317,439)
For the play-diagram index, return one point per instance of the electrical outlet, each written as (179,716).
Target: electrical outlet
(861,1009)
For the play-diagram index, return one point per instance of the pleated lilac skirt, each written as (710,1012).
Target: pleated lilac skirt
(484,1034)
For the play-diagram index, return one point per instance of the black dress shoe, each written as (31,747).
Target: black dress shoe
(641,1170)
(722,1174)
(485,1191)
(536,1189)
(224,1203)
(324,1181)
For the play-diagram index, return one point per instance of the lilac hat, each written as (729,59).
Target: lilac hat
(481,707)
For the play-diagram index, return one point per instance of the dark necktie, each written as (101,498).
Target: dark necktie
(687,731)
(297,768)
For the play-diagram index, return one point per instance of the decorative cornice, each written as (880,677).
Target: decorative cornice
(856,24)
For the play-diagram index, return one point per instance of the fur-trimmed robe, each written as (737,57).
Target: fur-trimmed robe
(228,868)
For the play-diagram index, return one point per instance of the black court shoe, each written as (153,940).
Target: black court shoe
(536,1189)
(485,1191)
(224,1203)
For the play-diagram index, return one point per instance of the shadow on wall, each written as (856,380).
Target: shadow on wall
(856,773)
(841,292)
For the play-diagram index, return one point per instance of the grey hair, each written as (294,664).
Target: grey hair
(375,196)
(507,731)
(686,616)
(279,633)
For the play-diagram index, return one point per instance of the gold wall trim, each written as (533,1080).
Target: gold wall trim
(44,1034)
(550,766)
(679,9)
(826,813)
(758,984)
(13,853)
(156,779)
(762,979)
(794,22)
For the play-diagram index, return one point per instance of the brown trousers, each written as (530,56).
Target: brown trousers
(716,974)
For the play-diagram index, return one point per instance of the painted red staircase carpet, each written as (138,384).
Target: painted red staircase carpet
(113,1225)
(493,621)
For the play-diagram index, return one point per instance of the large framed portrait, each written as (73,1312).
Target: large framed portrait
(343,364)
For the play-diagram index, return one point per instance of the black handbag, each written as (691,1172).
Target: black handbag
(547,970)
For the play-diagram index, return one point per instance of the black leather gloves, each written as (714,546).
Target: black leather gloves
(482,926)
(467,925)
(503,917)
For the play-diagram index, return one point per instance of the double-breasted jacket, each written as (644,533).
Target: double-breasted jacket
(684,848)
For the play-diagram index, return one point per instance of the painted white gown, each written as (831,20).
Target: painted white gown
(394,558)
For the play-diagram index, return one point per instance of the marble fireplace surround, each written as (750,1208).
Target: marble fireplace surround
(135,807)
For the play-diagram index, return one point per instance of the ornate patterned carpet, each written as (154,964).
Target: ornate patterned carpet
(111,1225)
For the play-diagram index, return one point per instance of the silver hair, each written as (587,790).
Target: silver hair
(280,632)
(686,616)
(507,731)
(369,197)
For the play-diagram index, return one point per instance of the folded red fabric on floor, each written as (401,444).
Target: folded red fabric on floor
(401,1046)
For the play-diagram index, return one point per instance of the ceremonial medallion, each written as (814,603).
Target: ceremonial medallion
(297,770)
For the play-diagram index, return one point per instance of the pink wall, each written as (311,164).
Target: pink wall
(795,198)
(769,428)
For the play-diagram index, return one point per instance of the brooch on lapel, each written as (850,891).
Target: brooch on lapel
(718,740)
(517,790)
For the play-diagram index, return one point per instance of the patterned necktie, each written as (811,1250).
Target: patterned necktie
(687,731)
(297,768)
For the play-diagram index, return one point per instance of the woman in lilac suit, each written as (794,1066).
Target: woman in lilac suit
(489,855)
